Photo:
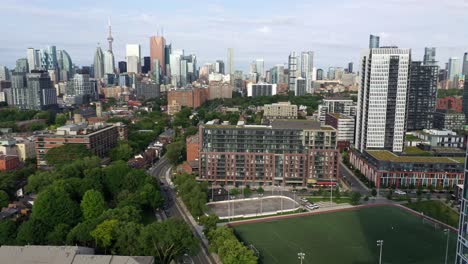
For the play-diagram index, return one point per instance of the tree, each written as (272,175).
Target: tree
(168,240)
(112,178)
(247,192)
(260,190)
(60,119)
(126,239)
(67,153)
(174,152)
(374,192)
(209,222)
(229,249)
(54,206)
(7,232)
(31,232)
(234,191)
(59,235)
(92,205)
(3,199)
(355,198)
(104,233)
(123,151)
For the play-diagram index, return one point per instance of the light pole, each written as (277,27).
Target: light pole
(301,256)
(447,233)
(380,244)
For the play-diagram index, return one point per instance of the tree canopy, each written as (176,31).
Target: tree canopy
(67,153)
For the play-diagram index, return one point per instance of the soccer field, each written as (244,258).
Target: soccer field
(350,237)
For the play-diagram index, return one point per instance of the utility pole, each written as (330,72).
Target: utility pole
(380,244)
(301,256)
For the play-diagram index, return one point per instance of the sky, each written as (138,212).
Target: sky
(337,31)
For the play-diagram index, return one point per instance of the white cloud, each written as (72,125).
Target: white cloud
(264,29)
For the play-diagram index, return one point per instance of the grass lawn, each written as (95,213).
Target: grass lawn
(327,199)
(349,237)
(437,210)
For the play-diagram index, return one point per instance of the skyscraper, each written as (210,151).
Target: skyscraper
(22,65)
(158,51)
(109,60)
(33,90)
(80,84)
(156,72)
(65,65)
(230,61)
(422,95)
(4,73)
(454,71)
(465,65)
(133,56)
(33,59)
(350,67)
(122,66)
(319,74)
(167,54)
(260,65)
(175,59)
(374,42)
(300,87)
(219,66)
(292,66)
(381,114)
(331,73)
(307,65)
(146,65)
(98,64)
(429,56)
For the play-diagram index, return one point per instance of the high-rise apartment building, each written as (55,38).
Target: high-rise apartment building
(300,88)
(286,153)
(158,51)
(292,66)
(307,65)
(33,59)
(4,73)
(422,95)
(382,107)
(429,56)
(80,84)
(260,66)
(33,91)
(230,61)
(133,57)
(219,66)
(331,73)
(22,65)
(454,71)
(98,64)
(465,65)
(374,42)
(350,67)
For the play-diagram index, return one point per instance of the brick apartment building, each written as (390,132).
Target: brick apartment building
(450,103)
(288,152)
(99,139)
(9,162)
(189,97)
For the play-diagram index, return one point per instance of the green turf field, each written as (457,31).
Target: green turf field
(349,237)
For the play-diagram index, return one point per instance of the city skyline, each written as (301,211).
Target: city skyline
(335,40)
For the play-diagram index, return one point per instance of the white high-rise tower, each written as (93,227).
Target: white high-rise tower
(381,113)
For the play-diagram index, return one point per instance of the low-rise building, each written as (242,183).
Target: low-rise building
(173,107)
(345,126)
(64,255)
(193,146)
(387,169)
(453,103)
(336,104)
(9,162)
(25,148)
(449,120)
(219,89)
(287,153)
(281,110)
(192,97)
(441,138)
(99,138)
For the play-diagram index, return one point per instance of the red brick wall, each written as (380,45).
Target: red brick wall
(450,103)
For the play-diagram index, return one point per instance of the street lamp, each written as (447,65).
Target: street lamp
(447,233)
(301,256)
(380,244)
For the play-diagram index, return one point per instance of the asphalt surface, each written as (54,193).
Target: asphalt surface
(353,182)
(172,209)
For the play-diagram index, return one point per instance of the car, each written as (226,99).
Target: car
(400,192)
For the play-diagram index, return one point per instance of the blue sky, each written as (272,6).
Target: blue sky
(336,30)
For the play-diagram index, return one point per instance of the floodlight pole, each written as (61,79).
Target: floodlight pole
(380,244)
(447,233)
(301,256)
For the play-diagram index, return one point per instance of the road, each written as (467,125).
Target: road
(355,184)
(172,209)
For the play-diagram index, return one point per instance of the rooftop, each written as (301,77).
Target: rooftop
(340,116)
(385,155)
(295,124)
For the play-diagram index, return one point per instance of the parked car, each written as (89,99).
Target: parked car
(400,192)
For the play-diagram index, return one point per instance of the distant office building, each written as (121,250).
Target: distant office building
(331,73)
(307,66)
(219,66)
(286,153)
(109,60)
(98,64)
(33,91)
(261,89)
(156,72)
(4,74)
(80,85)
(350,67)
(292,66)
(300,86)
(230,61)
(146,65)
(336,104)
(382,99)
(146,89)
(429,56)
(422,95)
(281,110)
(158,52)
(465,65)
(260,66)
(277,74)
(167,54)
(65,65)
(319,74)
(374,42)
(450,120)
(122,67)
(124,80)
(133,57)
(454,71)
(33,59)
(22,65)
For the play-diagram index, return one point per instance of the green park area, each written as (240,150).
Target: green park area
(437,210)
(349,237)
